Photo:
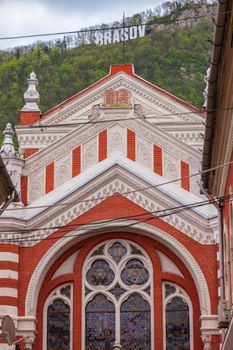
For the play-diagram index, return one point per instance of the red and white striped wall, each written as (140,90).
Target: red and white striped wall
(9,266)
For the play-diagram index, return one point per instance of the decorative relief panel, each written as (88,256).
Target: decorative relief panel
(120,98)
(195,181)
(116,140)
(144,153)
(89,154)
(36,185)
(63,167)
(171,166)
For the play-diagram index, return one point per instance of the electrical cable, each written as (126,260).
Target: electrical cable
(176,210)
(123,193)
(111,28)
(194,204)
(44,126)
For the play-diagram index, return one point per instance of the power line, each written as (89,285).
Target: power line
(91,30)
(164,213)
(198,111)
(122,193)
(47,126)
(194,205)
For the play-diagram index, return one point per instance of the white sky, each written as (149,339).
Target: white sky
(23,17)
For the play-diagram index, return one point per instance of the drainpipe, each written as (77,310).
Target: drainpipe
(219,206)
(212,86)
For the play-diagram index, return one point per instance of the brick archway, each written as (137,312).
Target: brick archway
(150,246)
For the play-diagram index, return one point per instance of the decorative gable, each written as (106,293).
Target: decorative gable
(116,125)
(171,114)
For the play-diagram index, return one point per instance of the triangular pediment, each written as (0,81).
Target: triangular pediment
(159,107)
(117,178)
(87,140)
(155,102)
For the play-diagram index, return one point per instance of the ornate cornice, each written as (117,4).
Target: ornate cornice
(140,90)
(87,132)
(115,180)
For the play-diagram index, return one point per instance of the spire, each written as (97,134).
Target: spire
(31,96)
(8,149)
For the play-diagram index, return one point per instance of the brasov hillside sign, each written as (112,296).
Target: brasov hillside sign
(106,36)
(118,35)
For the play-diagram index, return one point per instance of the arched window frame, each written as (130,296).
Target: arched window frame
(118,268)
(180,293)
(55,295)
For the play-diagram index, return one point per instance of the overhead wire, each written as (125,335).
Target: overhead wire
(88,122)
(122,193)
(101,224)
(194,204)
(91,30)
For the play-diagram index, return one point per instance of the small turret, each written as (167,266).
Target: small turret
(31,96)
(11,157)
(8,149)
(30,112)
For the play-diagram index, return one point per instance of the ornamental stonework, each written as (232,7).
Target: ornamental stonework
(120,98)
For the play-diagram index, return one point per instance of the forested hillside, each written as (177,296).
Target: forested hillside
(174,55)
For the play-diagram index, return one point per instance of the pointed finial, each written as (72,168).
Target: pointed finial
(8,148)
(31,96)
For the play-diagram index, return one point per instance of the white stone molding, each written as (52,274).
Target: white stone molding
(206,339)
(171,168)
(28,342)
(142,228)
(143,92)
(89,153)
(67,266)
(89,189)
(36,184)
(168,265)
(144,154)
(117,140)
(84,135)
(63,169)
(61,147)
(26,328)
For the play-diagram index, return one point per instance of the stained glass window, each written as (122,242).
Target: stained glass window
(117,291)
(118,313)
(135,324)
(117,251)
(177,325)
(100,274)
(58,326)
(135,273)
(100,324)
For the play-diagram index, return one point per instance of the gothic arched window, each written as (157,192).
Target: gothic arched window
(177,318)
(118,297)
(58,319)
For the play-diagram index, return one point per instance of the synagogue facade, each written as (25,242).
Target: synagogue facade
(112,246)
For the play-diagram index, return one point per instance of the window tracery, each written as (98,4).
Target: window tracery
(177,315)
(118,276)
(57,319)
